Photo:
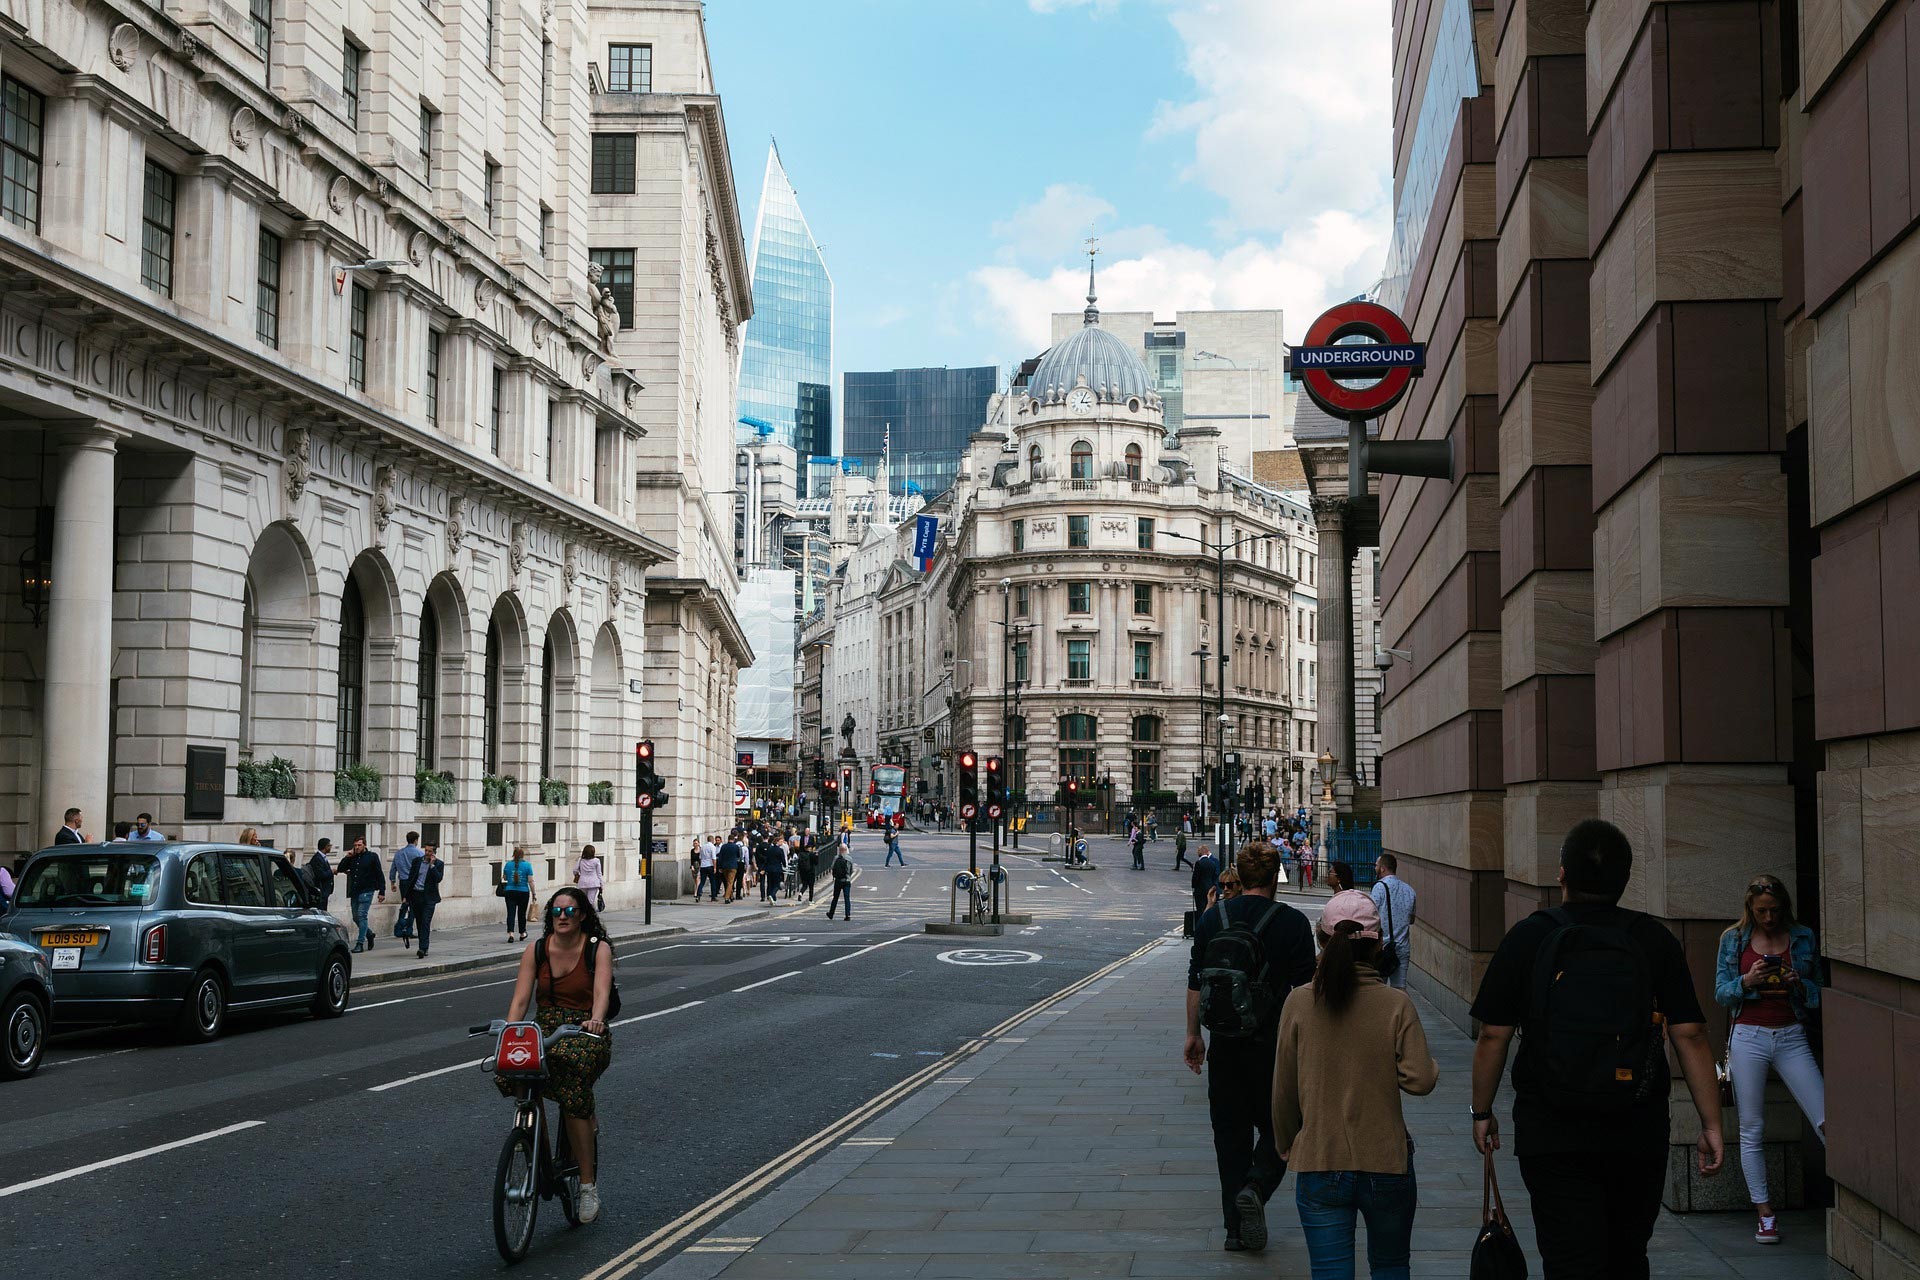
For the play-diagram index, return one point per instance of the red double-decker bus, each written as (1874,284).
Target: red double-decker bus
(887,795)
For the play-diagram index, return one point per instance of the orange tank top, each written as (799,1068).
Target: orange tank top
(571,990)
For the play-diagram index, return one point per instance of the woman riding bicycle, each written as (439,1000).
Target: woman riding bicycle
(554,968)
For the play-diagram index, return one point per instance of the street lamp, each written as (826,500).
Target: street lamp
(1230,362)
(1200,742)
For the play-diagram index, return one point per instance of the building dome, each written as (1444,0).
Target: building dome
(1110,368)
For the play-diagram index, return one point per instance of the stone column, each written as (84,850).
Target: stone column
(74,738)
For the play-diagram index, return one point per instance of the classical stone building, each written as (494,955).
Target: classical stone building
(315,452)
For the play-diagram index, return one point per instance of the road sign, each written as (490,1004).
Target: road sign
(993,811)
(644,800)
(967,811)
(1394,358)
(741,796)
(984,955)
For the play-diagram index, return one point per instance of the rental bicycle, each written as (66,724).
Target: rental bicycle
(533,1166)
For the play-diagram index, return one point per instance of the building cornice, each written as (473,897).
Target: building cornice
(711,605)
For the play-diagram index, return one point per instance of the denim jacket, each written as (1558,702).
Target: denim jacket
(1805,994)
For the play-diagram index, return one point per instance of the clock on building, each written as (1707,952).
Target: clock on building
(1080,401)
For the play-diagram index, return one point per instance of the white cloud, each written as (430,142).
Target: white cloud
(1060,217)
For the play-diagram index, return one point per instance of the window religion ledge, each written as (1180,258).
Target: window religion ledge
(357,784)
(498,789)
(1076,684)
(1146,684)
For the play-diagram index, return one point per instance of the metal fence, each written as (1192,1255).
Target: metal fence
(1358,845)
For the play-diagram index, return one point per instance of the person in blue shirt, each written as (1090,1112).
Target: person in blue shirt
(516,884)
(143,829)
(400,874)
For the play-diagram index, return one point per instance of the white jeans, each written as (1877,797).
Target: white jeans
(1786,1050)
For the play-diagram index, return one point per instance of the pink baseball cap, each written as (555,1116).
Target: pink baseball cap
(1351,904)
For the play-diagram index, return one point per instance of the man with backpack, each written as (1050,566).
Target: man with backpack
(1592,986)
(842,871)
(1248,953)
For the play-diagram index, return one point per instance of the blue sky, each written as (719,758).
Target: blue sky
(950,156)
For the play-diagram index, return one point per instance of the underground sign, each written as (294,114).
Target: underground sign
(1392,357)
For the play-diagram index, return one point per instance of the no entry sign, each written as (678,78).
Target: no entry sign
(1393,357)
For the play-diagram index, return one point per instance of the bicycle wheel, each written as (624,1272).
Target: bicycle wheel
(516,1196)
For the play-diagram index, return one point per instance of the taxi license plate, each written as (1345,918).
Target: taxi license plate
(66,957)
(70,938)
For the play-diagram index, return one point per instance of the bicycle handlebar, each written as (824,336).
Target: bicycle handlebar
(566,1032)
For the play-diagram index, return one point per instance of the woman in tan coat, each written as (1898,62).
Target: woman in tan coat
(1349,1046)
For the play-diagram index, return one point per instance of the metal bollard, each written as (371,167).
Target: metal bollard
(961,881)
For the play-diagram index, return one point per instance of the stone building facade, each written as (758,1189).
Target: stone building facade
(315,450)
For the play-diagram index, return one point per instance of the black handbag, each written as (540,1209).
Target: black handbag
(1496,1252)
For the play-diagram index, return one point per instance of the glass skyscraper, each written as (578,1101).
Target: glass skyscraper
(786,377)
(931,413)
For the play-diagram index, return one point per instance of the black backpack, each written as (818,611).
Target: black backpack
(1596,1039)
(1237,999)
(593,948)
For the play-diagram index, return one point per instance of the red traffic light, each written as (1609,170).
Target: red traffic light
(968,759)
(993,764)
(1073,784)
(833,784)
(644,749)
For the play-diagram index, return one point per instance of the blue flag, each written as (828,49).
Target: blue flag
(926,529)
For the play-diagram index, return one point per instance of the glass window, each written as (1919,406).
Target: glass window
(156,231)
(1082,465)
(490,704)
(549,667)
(1142,598)
(493,29)
(630,68)
(492,198)
(22,113)
(1079,531)
(433,376)
(546,77)
(1019,535)
(1146,770)
(266,305)
(261,12)
(546,234)
(350,682)
(553,444)
(89,880)
(1079,597)
(498,408)
(1033,462)
(614,163)
(284,890)
(1146,728)
(241,883)
(1022,601)
(1020,661)
(203,879)
(1133,462)
(429,128)
(426,723)
(1143,659)
(357,337)
(1143,532)
(1079,659)
(616,273)
(351,61)
(1078,728)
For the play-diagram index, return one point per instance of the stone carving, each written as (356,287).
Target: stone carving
(383,191)
(297,126)
(383,478)
(1110,524)
(417,248)
(516,550)
(718,276)
(123,45)
(339,194)
(631,400)
(1046,526)
(589,365)
(614,585)
(299,462)
(541,330)
(456,523)
(483,291)
(242,128)
(846,731)
(190,47)
(569,569)
(606,312)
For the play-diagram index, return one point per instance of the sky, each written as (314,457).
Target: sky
(951,156)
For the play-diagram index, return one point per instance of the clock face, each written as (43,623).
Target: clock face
(1080,400)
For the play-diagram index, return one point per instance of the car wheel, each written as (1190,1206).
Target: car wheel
(24,1025)
(203,1014)
(330,998)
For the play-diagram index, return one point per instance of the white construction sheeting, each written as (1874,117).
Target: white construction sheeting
(765,610)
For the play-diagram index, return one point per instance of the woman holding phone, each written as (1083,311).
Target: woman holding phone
(1768,978)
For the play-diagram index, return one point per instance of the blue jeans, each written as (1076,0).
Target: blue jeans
(1328,1204)
(362,904)
(893,851)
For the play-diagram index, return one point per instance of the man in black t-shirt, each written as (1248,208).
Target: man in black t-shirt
(1240,1071)
(1595,1178)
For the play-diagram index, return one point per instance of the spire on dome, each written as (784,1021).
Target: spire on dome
(1092,313)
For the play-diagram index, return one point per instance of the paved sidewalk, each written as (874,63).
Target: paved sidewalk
(1077,1146)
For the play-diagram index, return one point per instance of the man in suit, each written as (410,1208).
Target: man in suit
(69,832)
(422,888)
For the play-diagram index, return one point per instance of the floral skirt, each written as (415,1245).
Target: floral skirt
(572,1065)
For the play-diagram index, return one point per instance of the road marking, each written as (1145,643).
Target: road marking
(862,951)
(904,887)
(471,1064)
(883,1055)
(791,973)
(657,1013)
(989,956)
(131,1156)
(430,995)
(110,1053)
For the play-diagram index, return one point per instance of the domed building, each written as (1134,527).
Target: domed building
(1084,579)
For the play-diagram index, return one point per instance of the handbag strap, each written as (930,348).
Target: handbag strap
(1491,1205)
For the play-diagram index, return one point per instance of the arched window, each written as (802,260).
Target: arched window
(1082,461)
(349,730)
(427,690)
(1133,462)
(490,711)
(1146,728)
(1078,755)
(549,663)
(1033,462)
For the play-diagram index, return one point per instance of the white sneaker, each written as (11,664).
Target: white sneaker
(589,1206)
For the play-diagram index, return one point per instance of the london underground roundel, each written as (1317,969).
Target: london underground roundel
(1392,357)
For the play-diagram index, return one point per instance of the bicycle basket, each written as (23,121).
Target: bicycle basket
(519,1056)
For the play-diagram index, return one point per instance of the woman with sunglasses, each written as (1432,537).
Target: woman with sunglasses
(571,989)
(1768,977)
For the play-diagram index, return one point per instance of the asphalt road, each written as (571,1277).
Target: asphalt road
(366,1146)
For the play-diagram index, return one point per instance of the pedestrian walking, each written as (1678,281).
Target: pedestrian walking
(1180,857)
(1349,1046)
(400,876)
(771,861)
(1395,900)
(1153,827)
(709,870)
(1137,838)
(423,895)
(1768,979)
(143,828)
(366,882)
(809,863)
(731,855)
(893,848)
(1206,877)
(1591,1081)
(1248,953)
(842,872)
(516,886)
(591,876)
(70,832)
(320,871)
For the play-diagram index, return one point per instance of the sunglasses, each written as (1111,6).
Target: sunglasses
(566,912)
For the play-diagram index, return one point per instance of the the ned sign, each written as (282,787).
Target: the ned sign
(1356,360)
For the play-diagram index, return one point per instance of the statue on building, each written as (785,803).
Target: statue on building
(846,731)
(606,312)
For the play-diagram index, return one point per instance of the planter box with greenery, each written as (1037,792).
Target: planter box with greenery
(433,788)
(357,784)
(271,779)
(497,788)
(599,793)
(553,792)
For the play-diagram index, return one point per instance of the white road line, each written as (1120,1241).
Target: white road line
(658,1013)
(471,1064)
(904,887)
(67,1062)
(791,973)
(430,995)
(862,951)
(51,1178)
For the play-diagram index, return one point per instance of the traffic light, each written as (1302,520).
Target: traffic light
(969,779)
(996,781)
(830,792)
(649,788)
